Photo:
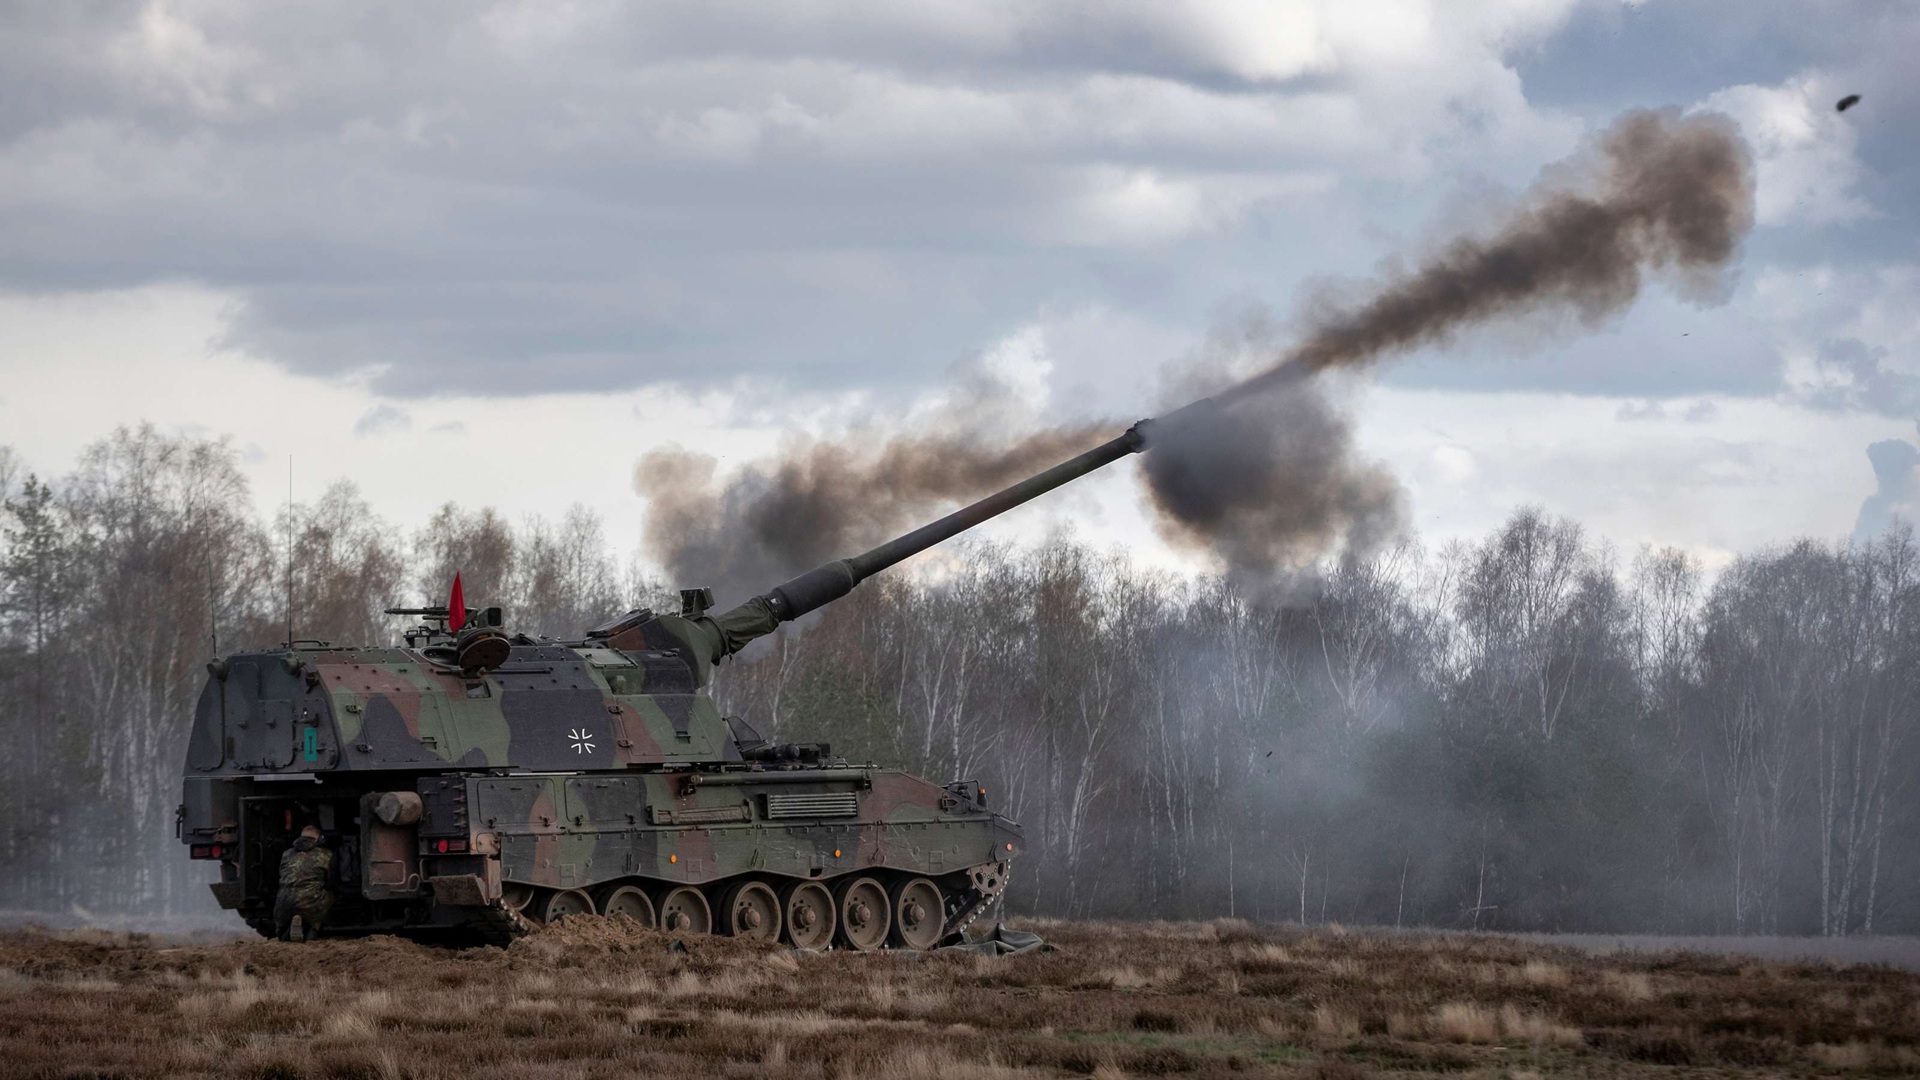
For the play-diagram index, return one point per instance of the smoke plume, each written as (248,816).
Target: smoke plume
(1657,192)
(1272,484)
(822,500)
(1264,474)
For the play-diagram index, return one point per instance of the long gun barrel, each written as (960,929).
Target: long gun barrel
(825,584)
(730,631)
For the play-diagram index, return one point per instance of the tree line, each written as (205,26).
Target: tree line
(1526,732)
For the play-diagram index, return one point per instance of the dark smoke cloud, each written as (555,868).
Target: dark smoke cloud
(1272,485)
(822,500)
(1264,475)
(1657,192)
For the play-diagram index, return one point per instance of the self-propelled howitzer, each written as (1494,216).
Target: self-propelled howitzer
(475,782)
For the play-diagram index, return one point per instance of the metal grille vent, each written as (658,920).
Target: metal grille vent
(826,804)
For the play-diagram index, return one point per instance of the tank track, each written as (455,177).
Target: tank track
(500,924)
(976,905)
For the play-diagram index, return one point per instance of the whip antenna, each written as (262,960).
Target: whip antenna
(289,551)
(213,605)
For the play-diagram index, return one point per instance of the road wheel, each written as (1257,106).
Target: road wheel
(750,911)
(810,919)
(919,914)
(684,911)
(629,901)
(516,895)
(863,914)
(566,902)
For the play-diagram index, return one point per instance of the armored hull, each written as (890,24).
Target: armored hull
(594,776)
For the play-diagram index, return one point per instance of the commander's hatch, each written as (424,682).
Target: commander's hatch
(644,671)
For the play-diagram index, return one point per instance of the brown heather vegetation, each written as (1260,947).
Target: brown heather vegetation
(601,998)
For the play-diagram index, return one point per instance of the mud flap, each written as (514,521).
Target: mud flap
(228,894)
(460,890)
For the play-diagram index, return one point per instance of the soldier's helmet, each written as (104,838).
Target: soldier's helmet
(311,832)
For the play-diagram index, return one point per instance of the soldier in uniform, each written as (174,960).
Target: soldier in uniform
(304,899)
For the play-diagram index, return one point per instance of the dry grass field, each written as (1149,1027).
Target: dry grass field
(601,998)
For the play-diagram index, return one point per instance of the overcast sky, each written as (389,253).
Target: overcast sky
(493,253)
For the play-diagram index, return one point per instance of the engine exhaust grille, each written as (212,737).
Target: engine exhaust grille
(825,804)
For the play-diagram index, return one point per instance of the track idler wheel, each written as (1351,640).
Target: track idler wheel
(919,914)
(566,902)
(684,911)
(811,915)
(630,901)
(864,913)
(751,911)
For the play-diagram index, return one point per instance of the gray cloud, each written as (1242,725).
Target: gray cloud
(1896,470)
(382,420)
(1697,412)
(1701,411)
(573,197)
(441,199)
(1866,383)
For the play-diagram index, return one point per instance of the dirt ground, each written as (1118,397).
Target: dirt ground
(602,998)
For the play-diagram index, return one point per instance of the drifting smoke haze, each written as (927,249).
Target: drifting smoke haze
(821,499)
(1265,475)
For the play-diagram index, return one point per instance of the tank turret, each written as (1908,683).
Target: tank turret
(475,781)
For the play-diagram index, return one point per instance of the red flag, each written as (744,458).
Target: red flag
(456,605)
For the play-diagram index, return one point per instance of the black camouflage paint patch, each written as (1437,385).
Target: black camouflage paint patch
(384,735)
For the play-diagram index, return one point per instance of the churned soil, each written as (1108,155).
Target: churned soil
(603,998)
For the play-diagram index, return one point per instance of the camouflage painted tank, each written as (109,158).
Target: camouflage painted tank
(476,782)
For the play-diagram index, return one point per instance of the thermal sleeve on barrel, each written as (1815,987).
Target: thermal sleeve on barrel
(731,630)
